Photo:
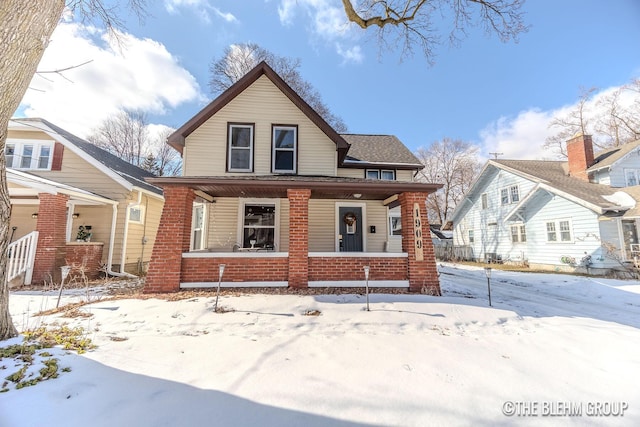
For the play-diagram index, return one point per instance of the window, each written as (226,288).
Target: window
(632,176)
(240,148)
(259,226)
(559,231)
(518,233)
(197,241)
(471,237)
(284,149)
(384,174)
(509,194)
(136,214)
(395,224)
(31,154)
(485,201)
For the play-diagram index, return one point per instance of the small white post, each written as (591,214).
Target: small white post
(220,273)
(65,272)
(366,279)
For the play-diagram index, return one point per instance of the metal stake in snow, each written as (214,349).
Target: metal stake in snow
(220,273)
(65,272)
(487,271)
(366,279)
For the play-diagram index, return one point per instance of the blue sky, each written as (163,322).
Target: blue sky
(497,95)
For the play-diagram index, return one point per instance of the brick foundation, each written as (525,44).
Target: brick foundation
(350,268)
(84,256)
(240,269)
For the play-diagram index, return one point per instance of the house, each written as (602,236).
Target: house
(270,191)
(89,207)
(560,215)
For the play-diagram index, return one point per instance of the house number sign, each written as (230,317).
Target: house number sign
(417,232)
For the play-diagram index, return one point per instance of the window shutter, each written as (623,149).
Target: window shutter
(56,163)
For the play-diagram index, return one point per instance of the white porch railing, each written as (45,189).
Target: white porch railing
(22,254)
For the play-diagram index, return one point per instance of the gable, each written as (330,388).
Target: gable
(261,105)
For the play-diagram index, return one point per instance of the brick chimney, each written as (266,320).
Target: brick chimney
(580,153)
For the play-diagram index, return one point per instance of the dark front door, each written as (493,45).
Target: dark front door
(350,220)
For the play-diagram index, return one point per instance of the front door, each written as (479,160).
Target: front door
(350,228)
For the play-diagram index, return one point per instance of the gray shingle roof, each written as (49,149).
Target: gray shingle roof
(554,174)
(608,157)
(131,173)
(385,149)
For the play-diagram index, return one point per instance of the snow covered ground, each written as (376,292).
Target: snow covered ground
(553,350)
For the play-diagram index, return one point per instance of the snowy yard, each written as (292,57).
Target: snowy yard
(551,345)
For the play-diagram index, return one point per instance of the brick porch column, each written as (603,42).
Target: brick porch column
(299,237)
(173,238)
(423,273)
(52,247)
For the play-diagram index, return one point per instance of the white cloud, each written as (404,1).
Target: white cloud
(201,7)
(329,23)
(523,136)
(137,74)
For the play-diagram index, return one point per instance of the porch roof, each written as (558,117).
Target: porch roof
(276,186)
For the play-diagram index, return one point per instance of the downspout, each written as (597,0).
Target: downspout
(123,256)
(112,239)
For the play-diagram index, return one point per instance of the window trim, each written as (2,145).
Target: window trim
(509,189)
(242,202)
(37,144)
(558,230)
(379,174)
(471,236)
(230,126)
(390,215)
(203,230)
(275,127)
(140,207)
(521,232)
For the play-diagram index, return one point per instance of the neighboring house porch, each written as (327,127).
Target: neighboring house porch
(296,231)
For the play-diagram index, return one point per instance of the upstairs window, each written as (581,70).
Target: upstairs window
(285,143)
(383,174)
(631,177)
(240,148)
(509,195)
(485,201)
(30,154)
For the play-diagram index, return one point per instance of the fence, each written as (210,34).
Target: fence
(449,252)
(22,255)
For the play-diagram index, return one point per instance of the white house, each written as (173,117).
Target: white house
(560,215)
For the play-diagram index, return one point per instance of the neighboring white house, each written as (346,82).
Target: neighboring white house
(559,215)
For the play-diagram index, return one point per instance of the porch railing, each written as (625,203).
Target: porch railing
(22,254)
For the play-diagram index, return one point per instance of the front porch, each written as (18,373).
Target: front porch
(286,259)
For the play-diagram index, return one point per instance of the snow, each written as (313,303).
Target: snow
(548,340)
(620,198)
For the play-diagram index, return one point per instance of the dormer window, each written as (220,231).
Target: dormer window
(240,148)
(29,154)
(285,144)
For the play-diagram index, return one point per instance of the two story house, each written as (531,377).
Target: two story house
(559,215)
(89,208)
(273,193)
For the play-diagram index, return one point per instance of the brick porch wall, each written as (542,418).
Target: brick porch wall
(52,226)
(240,269)
(350,268)
(423,274)
(87,256)
(173,238)
(299,238)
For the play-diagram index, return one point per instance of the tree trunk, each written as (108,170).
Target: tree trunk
(25,28)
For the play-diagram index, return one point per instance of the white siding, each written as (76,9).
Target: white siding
(631,161)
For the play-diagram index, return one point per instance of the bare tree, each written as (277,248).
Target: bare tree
(239,59)
(124,135)
(620,123)
(451,162)
(25,29)
(410,23)
(574,121)
(167,160)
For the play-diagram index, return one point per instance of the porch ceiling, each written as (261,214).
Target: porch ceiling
(275,186)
